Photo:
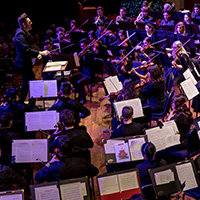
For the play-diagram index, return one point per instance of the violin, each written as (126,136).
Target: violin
(142,84)
(112,95)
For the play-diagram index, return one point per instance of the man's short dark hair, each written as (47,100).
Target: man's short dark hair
(84,40)
(100,8)
(65,88)
(197,5)
(67,117)
(127,112)
(11,93)
(60,29)
(5,119)
(22,19)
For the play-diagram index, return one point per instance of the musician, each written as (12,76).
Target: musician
(65,102)
(123,67)
(143,17)
(152,160)
(24,55)
(180,29)
(122,37)
(155,89)
(167,19)
(81,139)
(127,126)
(87,71)
(166,7)
(196,14)
(64,165)
(108,38)
(149,28)
(188,18)
(100,16)
(122,16)
(60,41)
(182,115)
(48,46)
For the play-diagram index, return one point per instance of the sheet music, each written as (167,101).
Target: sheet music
(76,60)
(188,74)
(30,150)
(122,152)
(109,146)
(135,148)
(186,174)
(42,120)
(113,84)
(172,124)
(50,88)
(189,89)
(47,193)
(154,137)
(40,88)
(128,181)
(71,191)
(56,63)
(164,177)
(108,185)
(11,197)
(134,103)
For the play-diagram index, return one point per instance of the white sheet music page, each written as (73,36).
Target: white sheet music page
(49,120)
(36,89)
(164,177)
(11,197)
(50,88)
(188,74)
(189,89)
(128,181)
(109,85)
(135,148)
(71,191)
(50,192)
(186,174)
(108,185)
(109,146)
(32,121)
(134,103)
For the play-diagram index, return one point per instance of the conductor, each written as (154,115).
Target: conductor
(24,54)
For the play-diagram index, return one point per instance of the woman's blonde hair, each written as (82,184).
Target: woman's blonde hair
(180,24)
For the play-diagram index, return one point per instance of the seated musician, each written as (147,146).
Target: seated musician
(143,16)
(122,37)
(155,89)
(149,28)
(127,126)
(122,16)
(167,19)
(81,139)
(196,13)
(182,115)
(152,160)
(64,165)
(87,70)
(188,18)
(100,16)
(48,46)
(180,29)
(108,38)
(123,67)
(60,41)
(65,102)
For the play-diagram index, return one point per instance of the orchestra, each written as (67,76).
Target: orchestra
(137,56)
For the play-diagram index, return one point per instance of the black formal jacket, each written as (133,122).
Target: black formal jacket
(24,52)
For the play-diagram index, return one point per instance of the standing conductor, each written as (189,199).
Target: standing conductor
(25,53)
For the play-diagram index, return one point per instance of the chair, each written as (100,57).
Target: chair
(169,81)
(193,146)
(166,107)
(99,66)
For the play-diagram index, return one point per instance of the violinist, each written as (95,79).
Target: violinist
(87,70)
(108,38)
(123,67)
(122,16)
(122,37)
(81,139)
(100,16)
(65,102)
(149,28)
(180,29)
(64,165)
(60,41)
(155,89)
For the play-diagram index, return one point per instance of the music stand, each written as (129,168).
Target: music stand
(170,184)
(14,194)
